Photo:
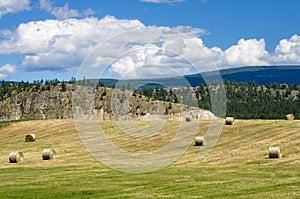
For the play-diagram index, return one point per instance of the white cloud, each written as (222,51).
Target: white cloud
(162,1)
(61,45)
(13,6)
(287,51)
(247,52)
(253,52)
(55,45)
(6,70)
(147,61)
(63,12)
(136,50)
(162,49)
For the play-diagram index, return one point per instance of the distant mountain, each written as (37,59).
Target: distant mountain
(262,75)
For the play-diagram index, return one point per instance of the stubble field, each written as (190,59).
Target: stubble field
(237,167)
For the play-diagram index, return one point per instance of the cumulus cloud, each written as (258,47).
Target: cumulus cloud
(61,45)
(162,1)
(287,51)
(131,49)
(63,12)
(247,52)
(164,50)
(180,52)
(13,6)
(6,70)
(55,45)
(149,61)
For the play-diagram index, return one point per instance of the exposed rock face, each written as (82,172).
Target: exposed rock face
(105,104)
(43,105)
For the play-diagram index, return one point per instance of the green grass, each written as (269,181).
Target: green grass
(6,123)
(173,182)
(238,166)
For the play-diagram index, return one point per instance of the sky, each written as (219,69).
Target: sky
(48,39)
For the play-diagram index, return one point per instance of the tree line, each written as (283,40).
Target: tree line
(10,88)
(244,100)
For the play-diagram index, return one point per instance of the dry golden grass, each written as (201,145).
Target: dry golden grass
(237,167)
(59,135)
(245,142)
(248,142)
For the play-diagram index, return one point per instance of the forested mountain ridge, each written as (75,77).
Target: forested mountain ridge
(52,99)
(244,99)
(251,101)
(262,75)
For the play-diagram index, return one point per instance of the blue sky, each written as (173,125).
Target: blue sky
(50,38)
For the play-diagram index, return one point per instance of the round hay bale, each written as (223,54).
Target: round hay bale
(229,120)
(48,154)
(274,152)
(290,116)
(199,141)
(30,138)
(188,119)
(15,157)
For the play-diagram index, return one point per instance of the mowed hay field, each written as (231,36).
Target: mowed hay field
(237,167)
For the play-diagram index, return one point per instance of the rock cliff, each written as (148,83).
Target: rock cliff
(107,103)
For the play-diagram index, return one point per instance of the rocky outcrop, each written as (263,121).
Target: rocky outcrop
(104,103)
(41,105)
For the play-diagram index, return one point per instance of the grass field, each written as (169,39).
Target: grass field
(238,166)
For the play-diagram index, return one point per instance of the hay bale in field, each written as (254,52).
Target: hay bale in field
(15,157)
(199,141)
(30,138)
(188,119)
(274,152)
(229,120)
(48,154)
(290,116)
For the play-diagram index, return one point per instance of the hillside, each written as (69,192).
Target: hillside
(55,101)
(262,75)
(257,92)
(243,100)
(237,167)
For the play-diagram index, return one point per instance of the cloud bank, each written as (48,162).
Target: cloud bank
(60,45)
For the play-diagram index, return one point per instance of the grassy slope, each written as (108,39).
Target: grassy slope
(238,166)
